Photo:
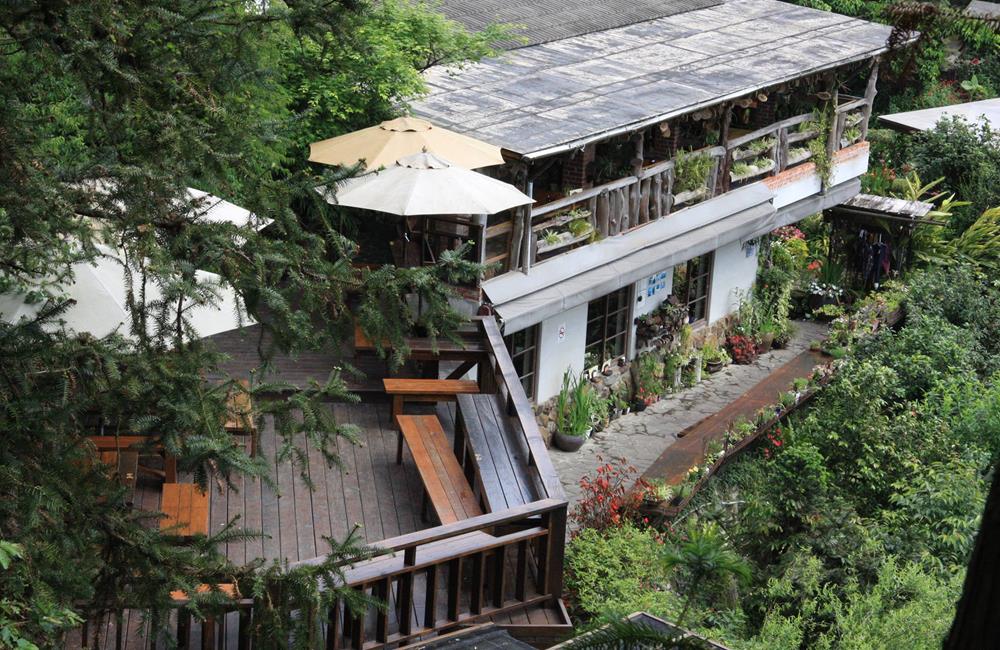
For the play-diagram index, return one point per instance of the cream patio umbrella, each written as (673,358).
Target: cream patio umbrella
(384,144)
(426,184)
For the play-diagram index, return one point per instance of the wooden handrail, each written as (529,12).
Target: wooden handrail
(447,531)
(539,455)
(588,193)
(850,106)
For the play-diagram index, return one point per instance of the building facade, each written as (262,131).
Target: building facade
(658,153)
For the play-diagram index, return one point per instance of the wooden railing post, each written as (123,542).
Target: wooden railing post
(333,627)
(243,640)
(208,633)
(870,91)
(556,540)
(183,628)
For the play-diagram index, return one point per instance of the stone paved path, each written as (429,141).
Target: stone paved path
(642,437)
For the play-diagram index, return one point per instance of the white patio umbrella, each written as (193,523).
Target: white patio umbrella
(211,208)
(99,291)
(425,184)
(383,144)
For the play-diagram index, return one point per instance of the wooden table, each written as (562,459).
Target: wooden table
(186,508)
(120,443)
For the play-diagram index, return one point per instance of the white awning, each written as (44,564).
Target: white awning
(645,258)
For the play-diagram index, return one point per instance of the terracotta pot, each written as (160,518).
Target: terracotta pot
(568,442)
(764,344)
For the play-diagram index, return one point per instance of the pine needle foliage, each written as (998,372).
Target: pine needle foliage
(111,110)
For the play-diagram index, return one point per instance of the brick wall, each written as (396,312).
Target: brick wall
(575,168)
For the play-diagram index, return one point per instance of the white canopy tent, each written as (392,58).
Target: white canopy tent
(99,289)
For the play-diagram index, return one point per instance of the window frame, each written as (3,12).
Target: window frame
(706,262)
(532,374)
(608,316)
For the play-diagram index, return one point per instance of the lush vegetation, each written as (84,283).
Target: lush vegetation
(110,110)
(857,522)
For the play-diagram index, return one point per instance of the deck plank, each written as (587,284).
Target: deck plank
(270,512)
(303,500)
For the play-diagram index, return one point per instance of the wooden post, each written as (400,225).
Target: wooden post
(528,254)
(604,214)
(781,160)
(656,197)
(832,143)
(870,92)
(726,164)
(557,547)
(520,171)
(636,190)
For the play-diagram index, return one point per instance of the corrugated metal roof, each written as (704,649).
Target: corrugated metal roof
(565,93)
(541,21)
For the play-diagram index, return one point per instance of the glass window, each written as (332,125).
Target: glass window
(607,327)
(523,349)
(692,285)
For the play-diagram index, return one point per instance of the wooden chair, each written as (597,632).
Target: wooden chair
(121,443)
(239,414)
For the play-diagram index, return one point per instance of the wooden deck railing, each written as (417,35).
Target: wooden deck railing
(619,206)
(436,579)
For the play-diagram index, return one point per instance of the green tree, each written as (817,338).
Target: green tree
(111,109)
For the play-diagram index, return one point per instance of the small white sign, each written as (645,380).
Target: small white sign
(561,335)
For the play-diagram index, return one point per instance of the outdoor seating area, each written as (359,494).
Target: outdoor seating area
(448,475)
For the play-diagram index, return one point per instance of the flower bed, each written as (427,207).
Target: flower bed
(701,473)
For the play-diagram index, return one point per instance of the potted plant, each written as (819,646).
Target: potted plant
(714,357)
(765,336)
(576,406)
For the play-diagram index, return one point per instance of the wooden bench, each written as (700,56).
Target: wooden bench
(186,508)
(423,390)
(491,448)
(227,589)
(444,482)
(118,443)
(124,466)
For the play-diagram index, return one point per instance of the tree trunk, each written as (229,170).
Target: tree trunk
(975,624)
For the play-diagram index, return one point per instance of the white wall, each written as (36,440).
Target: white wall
(733,273)
(661,284)
(558,352)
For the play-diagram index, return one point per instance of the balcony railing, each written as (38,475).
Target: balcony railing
(630,202)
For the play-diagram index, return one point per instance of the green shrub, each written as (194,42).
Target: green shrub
(618,572)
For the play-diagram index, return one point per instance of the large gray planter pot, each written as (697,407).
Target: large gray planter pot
(568,442)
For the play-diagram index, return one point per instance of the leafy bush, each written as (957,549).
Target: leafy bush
(617,572)
(968,157)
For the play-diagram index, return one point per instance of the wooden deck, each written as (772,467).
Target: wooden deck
(504,565)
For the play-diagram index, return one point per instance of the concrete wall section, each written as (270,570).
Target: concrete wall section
(733,273)
(561,339)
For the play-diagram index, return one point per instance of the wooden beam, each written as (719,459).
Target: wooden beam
(870,92)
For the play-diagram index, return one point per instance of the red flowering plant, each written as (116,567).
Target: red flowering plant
(741,348)
(772,441)
(610,499)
